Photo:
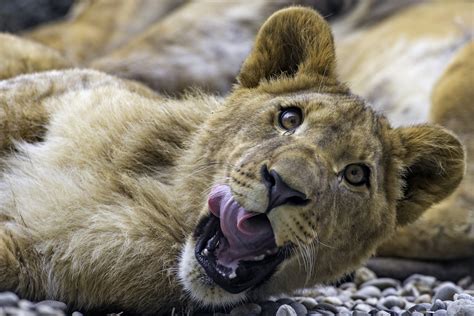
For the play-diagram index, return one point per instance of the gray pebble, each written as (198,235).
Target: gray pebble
(328,291)
(349,304)
(345,296)
(77,314)
(363,275)
(13,311)
(416,314)
(446,291)
(362,307)
(54,304)
(391,301)
(368,291)
(419,308)
(285,310)
(320,313)
(424,283)
(334,300)
(24,313)
(372,301)
(246,309)
(470,292)
(397,311)
(409,290)
(269,308)
(8,299)
(461,308)
(425,298)
(427,305)
(26,305)
(427,280)
(299,308)
(441,312)
(343,309)
(409,305)
(309,302)
(382,283)
(438,304)
(360,313)
(327,307)
(389,291)
(45,310)
(463,296)
(382,313)
(409,298)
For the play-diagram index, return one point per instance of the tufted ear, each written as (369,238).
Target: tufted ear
(292,41)
(433,166)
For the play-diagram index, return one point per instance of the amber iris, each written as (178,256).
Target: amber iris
(290,118)
(356,174)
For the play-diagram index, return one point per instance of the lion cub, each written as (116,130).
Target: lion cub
(117,197)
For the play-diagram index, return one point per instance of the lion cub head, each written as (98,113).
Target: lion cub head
(303,179)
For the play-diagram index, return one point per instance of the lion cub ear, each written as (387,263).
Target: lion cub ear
(432,167)
(292,41)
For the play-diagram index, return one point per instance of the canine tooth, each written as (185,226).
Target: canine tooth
(258,258)
(205,252)
(232,275)
(213,243)
(272,251)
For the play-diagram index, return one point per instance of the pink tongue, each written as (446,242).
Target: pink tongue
(248,234)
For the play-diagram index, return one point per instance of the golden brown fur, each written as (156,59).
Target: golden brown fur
(95,27)
(20,56)
(446,231)
(407,67)
(101,211)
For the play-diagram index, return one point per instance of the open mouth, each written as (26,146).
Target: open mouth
(235,247)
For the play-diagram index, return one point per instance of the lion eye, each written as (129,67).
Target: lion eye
(290,118)
(357,174)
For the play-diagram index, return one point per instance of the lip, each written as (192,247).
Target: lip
(248,274)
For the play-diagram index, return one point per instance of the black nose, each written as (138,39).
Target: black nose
(279,192)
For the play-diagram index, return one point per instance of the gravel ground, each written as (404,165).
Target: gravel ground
(366,295)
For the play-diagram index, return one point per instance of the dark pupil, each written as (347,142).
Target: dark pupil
(290,120)
(355,174)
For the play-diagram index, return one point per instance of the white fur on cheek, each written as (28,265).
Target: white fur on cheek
(201,290)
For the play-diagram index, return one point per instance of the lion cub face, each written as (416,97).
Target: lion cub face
(311,180)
